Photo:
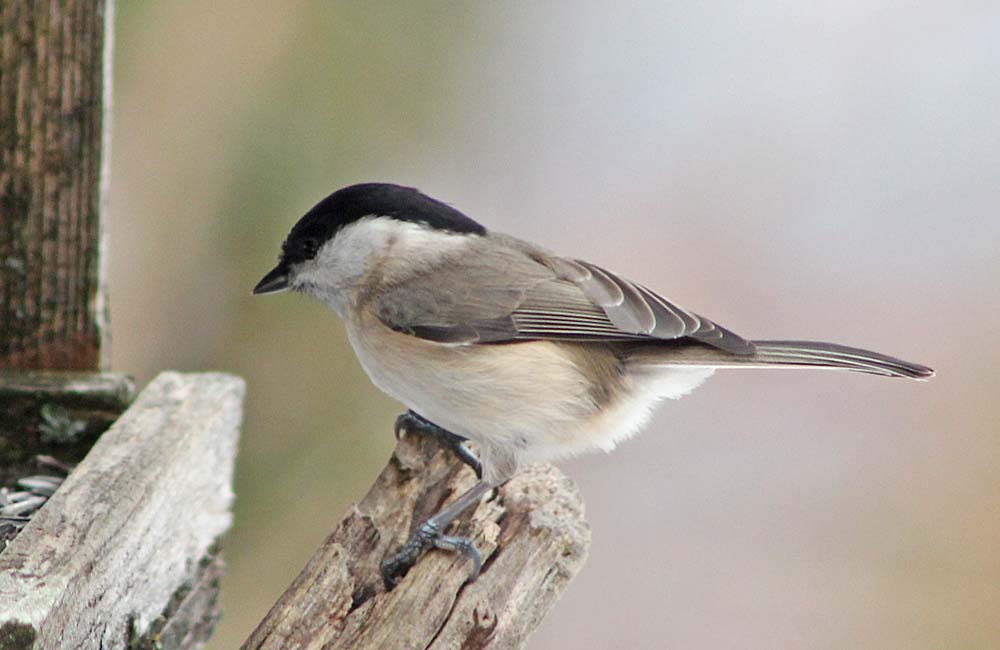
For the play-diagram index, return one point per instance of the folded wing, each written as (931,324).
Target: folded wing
(519,295)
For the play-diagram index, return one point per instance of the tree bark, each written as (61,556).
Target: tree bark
(54,101)
(533,538)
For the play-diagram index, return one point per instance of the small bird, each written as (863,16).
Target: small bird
(488,338)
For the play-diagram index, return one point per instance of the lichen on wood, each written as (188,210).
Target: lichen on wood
(55,413)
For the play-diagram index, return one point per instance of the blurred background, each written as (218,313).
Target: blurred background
(791,170)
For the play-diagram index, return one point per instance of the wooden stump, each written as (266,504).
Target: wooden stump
(533,538)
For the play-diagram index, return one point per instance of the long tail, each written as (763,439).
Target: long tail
(789,354)
(831,355)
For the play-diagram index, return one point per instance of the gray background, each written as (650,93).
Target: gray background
(791,170)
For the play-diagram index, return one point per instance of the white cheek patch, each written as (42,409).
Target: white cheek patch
(346,257)
(399,247)
(418,238)
(343,261)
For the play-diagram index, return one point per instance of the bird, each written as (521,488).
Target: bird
(488,338)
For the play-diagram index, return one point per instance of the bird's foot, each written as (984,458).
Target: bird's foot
(428,536)
(411,422)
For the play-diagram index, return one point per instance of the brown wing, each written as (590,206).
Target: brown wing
(634,309)
(517,295)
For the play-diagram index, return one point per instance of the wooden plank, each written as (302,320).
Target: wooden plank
(108,391)
(533,538)
(126,543)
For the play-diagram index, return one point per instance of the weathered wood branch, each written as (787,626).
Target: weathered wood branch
(533,538)
(54,86)
(125,554)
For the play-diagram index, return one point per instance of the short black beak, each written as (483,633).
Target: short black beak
(275,281)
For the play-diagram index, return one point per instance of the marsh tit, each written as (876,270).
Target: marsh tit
(488,338)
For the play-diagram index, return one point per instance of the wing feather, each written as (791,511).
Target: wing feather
(545,297)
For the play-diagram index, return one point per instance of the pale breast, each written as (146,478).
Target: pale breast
(520,402)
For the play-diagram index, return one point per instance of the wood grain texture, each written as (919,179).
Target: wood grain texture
(128,542)
(533,538)
(109,391)
(54,92)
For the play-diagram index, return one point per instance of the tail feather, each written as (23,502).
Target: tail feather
(831,355)
(787,354)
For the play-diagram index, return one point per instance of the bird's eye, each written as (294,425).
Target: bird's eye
(309,247)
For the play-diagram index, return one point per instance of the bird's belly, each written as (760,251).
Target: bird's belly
(521,402)
(477,391)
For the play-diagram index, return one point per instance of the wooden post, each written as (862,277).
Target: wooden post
(55,88)
(533,538)
(54,99)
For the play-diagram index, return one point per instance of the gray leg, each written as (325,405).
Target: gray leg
(431,534)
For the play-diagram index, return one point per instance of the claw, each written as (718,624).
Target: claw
(465,547)
(430,534)
(395,568)
(412,422)
(409,422)
(466,456)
